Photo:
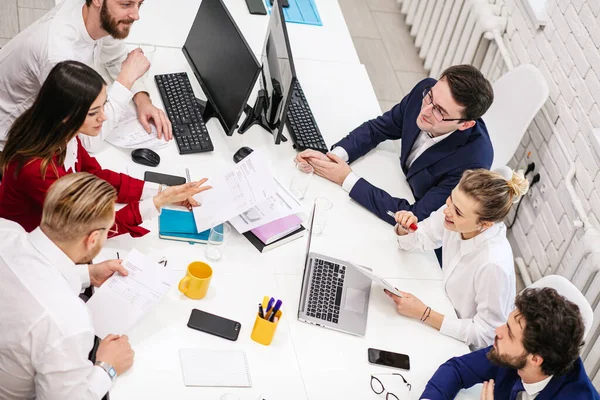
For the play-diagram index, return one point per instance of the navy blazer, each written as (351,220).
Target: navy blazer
(473,368)
(433,175)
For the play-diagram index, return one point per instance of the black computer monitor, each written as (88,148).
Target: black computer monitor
(222,62)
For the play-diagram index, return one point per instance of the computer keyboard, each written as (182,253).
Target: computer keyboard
(189,130)
(301,124)
(326,288)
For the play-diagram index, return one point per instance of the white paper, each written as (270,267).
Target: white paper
(249,183)
(217,368)
(129,132)
(123,300)
(280,205)
(377,279)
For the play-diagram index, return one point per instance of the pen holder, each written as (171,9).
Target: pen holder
(263,330)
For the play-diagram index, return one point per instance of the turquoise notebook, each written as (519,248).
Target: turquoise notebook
(180,225)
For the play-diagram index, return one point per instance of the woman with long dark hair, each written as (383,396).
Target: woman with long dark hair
(42,146)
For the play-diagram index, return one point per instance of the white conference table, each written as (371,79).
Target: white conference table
(169,26)
(304,361)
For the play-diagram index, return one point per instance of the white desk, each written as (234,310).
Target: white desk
(169,26)
(304,361)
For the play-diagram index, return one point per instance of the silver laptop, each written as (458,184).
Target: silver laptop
(334,293)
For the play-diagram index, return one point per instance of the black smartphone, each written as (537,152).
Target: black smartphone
(256,7)
(215,325)
(284,3)
(169,180)
(389,359)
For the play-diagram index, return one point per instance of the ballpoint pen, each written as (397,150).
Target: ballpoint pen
(118,255)
(270,305)
(260,311)
(414,227)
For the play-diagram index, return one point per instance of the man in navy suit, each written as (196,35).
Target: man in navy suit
(535,356)
(442,136)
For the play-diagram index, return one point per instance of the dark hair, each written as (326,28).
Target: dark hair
(470,89)
(55,117)
(553,328)
(88,2)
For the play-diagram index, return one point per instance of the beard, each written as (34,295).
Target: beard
(506,361)
(111,25)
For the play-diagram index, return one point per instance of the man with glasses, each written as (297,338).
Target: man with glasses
(535,356)
(442,135)
(47,331)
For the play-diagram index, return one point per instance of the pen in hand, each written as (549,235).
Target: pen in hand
(414,227)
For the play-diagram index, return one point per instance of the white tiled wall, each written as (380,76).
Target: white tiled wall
(567,51)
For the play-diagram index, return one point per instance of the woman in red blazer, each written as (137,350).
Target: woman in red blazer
(42,146)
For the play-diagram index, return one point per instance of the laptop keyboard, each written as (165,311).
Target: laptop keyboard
(325,296)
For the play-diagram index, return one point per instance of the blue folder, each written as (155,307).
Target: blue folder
(300,12)
(181,226)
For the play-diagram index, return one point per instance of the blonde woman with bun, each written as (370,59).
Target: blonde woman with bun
(479,274)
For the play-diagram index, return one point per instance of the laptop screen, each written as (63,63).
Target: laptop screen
(310,229)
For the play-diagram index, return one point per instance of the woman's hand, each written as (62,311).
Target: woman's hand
(408,305)
(404,219)
(181,194)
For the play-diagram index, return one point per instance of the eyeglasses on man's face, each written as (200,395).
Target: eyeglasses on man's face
(112,231)
(437,112)
(378,388)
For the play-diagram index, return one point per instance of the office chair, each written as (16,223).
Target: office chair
(565,288)
(518,96)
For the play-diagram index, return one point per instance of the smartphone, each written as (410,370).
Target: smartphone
(389,359)
(169,180)
(215,325)
(256,7)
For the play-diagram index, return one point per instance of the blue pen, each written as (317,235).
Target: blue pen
(270,305)
(275,309)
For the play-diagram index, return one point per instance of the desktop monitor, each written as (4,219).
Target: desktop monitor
(278,72)
(223,63)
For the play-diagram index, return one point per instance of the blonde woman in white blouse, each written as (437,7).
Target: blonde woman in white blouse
(479,274)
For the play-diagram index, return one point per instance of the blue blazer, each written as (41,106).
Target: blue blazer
(473,368)
(433,174)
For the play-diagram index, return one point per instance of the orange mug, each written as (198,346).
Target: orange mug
(196,281)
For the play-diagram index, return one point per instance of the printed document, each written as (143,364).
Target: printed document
(123,300)
(129,132)
(248,184)
(280,205)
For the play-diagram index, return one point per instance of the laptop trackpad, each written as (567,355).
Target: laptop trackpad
(355,300)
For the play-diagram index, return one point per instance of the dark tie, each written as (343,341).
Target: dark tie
(516,389)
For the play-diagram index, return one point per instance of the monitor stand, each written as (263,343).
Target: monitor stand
(256,115)
(206,109)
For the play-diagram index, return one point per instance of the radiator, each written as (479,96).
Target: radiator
(450,32)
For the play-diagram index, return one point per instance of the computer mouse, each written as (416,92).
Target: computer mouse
(145,157)
(241,154)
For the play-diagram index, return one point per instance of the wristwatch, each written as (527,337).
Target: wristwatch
(108,368)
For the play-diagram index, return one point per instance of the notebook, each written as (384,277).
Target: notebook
(260,246)
(216,368)
(275,230)
(181,226)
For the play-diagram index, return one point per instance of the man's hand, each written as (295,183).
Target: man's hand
(408,305)
(334,168)
(99,273)
(307,155)
(146,112)
(133,68)
(116,351)
(487,393)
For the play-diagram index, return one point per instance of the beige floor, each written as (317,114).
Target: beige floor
(385,47)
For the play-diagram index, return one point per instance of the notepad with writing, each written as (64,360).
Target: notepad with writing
(216,368)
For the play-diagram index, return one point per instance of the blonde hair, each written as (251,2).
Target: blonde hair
(494,193)
(75,205)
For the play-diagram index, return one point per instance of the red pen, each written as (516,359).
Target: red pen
(414,227)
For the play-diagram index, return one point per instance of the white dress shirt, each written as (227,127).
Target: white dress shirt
(479,277)
(47,332)
(533,389)
(422,143)
(60,35)
(150,189)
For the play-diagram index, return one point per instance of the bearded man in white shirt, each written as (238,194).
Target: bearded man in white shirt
(47,331)
(91,32)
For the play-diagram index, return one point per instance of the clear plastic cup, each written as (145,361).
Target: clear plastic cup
(301,178)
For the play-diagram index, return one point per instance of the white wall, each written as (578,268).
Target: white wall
(567,51)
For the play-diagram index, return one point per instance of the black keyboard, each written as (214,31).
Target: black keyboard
(301,124)
(184,112)
(326,288)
